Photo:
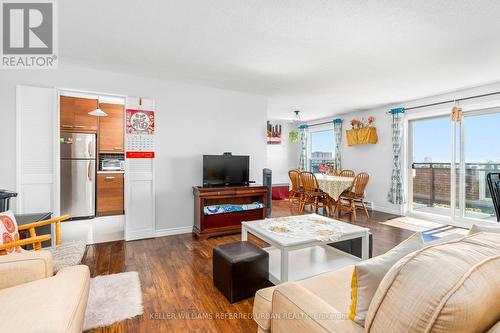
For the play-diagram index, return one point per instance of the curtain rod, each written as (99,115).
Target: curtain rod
(323,123)
(430,104)
(451,101)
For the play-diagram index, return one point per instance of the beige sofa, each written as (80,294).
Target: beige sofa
(310,304)
(321,303)
(32,299)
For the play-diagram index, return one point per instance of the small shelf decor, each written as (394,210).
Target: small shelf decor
(362,132)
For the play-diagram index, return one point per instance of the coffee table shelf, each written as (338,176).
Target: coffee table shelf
(292,258)
(308,262)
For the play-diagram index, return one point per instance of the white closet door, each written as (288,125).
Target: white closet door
(139,187)
(36,143)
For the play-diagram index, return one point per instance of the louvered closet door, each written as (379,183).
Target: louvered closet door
(36,140)
(139,187)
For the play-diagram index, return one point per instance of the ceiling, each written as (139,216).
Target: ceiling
(322,57)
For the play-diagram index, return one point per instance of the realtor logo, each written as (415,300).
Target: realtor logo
(28,35)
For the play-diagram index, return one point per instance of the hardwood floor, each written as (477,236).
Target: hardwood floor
(176,277)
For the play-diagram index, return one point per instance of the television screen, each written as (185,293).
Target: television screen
(225,170)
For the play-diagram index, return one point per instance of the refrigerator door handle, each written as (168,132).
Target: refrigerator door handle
(89,173)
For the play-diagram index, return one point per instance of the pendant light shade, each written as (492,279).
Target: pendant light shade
(296,118)
(98,113)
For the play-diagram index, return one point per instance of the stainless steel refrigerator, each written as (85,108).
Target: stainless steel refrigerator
(78,173)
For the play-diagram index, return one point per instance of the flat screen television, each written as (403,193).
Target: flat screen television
(225,170)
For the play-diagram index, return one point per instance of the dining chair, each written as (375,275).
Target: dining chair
(333,173)
(313,195)
(296,192)
(347,173)
(355,197)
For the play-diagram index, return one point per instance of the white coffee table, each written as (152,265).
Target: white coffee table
(292,259)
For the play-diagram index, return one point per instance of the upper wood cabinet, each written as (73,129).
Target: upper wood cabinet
(111,128)
(75,114)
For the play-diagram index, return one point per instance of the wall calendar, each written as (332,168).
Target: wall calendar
(139,133)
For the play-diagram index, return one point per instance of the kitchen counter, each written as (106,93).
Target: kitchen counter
(111,171)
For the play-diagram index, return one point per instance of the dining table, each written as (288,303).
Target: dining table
(333,185)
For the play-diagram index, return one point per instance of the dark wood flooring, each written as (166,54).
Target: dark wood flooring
(176,277)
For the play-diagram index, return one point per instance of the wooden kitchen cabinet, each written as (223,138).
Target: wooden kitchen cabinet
(75,114)
(109,194)
(111,129)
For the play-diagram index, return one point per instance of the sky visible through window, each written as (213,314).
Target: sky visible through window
(432,139)
(322,141)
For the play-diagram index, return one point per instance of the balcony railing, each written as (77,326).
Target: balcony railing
(315,163)
(431,185)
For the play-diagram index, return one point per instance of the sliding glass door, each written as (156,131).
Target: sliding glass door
(448,165)
(430,188)
(478,154)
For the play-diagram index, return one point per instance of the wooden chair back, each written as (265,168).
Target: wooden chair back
(309,181)
(347,173)
(360,182)
(294,176)
(333,173)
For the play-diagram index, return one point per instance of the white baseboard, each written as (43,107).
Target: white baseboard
(386,208)
(173,231)
(111,228)
(139,234)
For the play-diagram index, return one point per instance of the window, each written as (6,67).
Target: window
(322,149)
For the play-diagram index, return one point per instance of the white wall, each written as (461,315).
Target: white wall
(191,121)
(283,157)
(376,159)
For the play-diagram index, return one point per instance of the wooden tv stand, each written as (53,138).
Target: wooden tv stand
(226,223)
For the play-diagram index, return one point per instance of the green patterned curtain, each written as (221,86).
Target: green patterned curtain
(337,130)
(303,150)
(395,195)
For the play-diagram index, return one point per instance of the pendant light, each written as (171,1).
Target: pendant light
(98,112)
(296,118)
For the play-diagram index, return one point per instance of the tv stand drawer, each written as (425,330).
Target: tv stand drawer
(233,218)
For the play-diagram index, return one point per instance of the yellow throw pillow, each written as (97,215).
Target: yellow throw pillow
(367,276)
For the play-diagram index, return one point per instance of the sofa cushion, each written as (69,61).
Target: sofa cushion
(56,304)
(24,267)
(367,275)
(449,287)
(262,307)
(332,287)
(495,328)
(299,311)
(483,228)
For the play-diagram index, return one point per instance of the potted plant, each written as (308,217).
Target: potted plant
(362,132)
(293,136)
(354,123)
(371,120)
